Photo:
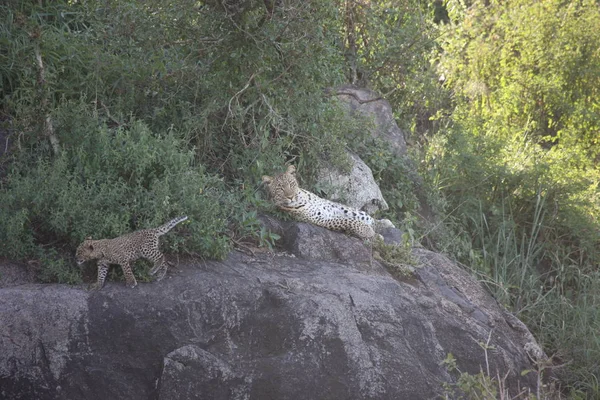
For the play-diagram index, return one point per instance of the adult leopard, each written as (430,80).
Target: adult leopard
(305,206)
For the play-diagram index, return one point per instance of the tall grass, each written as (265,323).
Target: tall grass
(556,294)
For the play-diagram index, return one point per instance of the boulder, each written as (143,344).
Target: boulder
(15,274)
(381,124)
(369,104)
(356,189)
(191,373)
(312,324)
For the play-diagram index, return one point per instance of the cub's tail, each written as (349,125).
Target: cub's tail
(161,230)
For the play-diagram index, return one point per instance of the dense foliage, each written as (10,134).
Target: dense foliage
(518,165)
(111,180)
(118,115)
(114,101)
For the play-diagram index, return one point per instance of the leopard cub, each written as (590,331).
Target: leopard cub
(125,249)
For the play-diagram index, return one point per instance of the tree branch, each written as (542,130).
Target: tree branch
(358,99)
(48,126)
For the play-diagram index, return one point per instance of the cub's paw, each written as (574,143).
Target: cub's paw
(94,287)
(131,284)
(162,272)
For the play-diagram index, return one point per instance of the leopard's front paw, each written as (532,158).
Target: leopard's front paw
(131,285)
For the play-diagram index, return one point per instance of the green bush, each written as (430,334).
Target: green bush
(110,182)
(530,233)
(517,166)
(151,103)
(244,86)
(395,175)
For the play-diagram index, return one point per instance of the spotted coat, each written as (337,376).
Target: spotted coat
(305,206)
(125,249)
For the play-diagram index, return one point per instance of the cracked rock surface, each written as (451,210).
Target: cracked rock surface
(285,325)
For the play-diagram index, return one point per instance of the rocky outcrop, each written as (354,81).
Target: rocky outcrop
(379,121)
(13,274)
(373,107)
(321,320)
(357,188)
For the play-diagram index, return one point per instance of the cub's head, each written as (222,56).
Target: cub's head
(282,188)
(85,251)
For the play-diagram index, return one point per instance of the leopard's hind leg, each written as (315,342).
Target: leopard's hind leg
(160,266)
(161,269)
(128,272)
(162,272)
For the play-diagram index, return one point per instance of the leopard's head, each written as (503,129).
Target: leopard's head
(282,188)
(85,251)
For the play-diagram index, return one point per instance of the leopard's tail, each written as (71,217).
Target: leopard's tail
(161,230)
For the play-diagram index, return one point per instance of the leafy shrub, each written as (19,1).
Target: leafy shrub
(527,227)
(526,70)
(397,258)
(517,166)
(110,182)
(151,103)
(395,175)
(242,85)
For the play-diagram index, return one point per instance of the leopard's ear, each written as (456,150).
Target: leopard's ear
(88,244)
(267,179)
(291,169)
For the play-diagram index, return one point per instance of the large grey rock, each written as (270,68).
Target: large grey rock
(380,123)
(375,109)
(259,326)
(14,274)
(357,188)
(312,242)
(192,373)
